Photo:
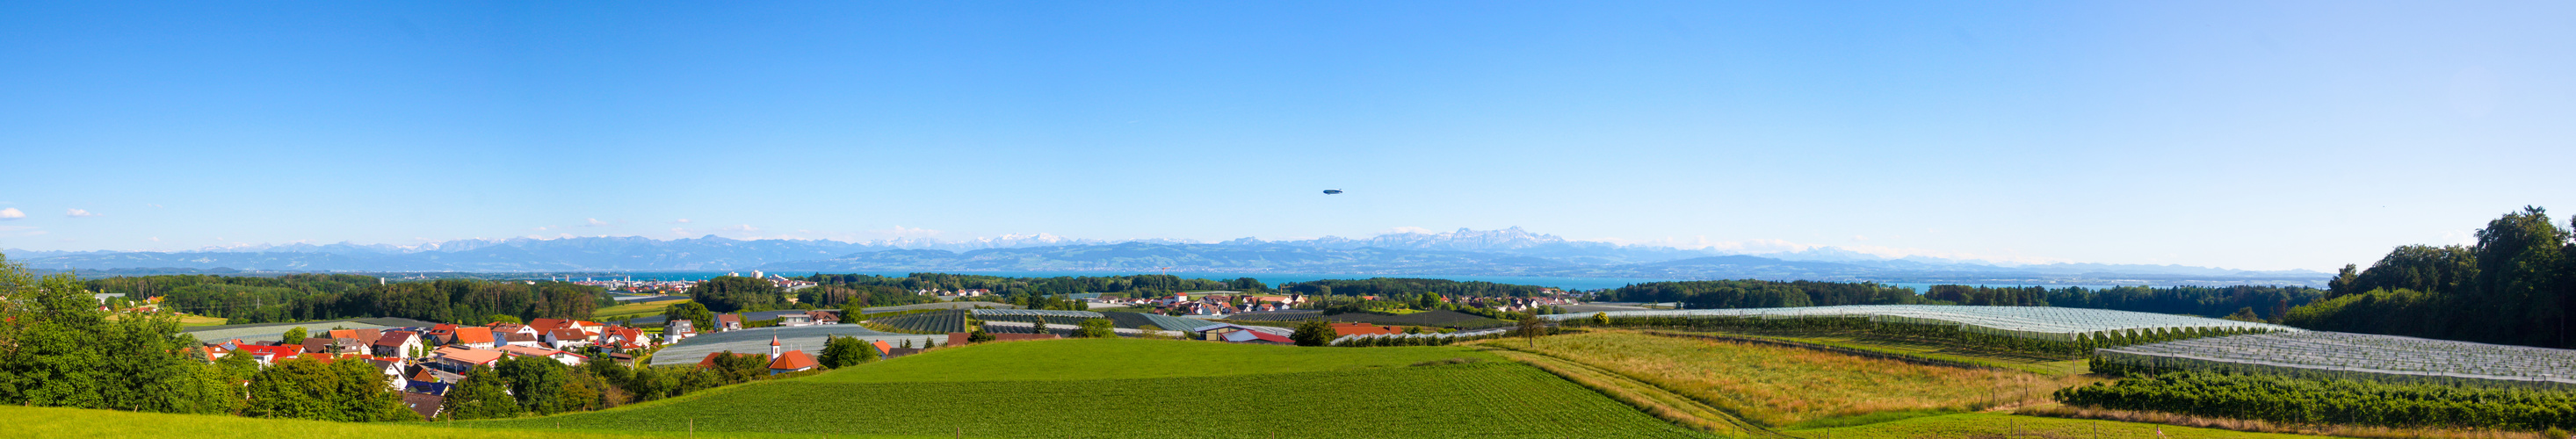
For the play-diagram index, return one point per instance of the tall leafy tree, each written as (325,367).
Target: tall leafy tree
(696,314)
(1313,332)
(482,395)
(535,381)
(845,352)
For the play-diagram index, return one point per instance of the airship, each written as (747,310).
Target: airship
(1332,191)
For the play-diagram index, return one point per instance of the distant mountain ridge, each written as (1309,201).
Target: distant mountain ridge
(1504,252)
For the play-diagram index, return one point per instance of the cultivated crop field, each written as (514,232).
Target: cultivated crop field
(1080,359)
(934,322)
(2357,356)
(78,423)
(1996,425)
(1780,386)
(1118,388)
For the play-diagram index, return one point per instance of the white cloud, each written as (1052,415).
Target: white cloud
(1405,229)
(682,221)
(19,231)
(78,213)
(155,206)
(11,213)
(741,228)
(593,222)
(158,239)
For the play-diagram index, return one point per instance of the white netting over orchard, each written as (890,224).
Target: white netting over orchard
(1035,313)
(2038,322)
(2355,356)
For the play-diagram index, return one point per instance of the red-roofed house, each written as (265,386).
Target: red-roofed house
(544,325)
(475,337)
(268,354)
(568,338)
(363,335)
(456,358)
(728,322)
(505,329)
(791,361)
(397,344)
(625,338)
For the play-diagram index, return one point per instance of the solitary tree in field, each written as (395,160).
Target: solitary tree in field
(1531,327)
(1601,319)
(293,335)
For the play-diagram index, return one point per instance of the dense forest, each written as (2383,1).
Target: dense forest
(1748,293)
(1408,287)
(2265,303)
(2516,285)
(301,297)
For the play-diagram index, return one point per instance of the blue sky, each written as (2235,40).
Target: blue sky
(2259,135)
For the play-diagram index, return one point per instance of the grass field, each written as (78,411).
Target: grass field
(1782,386)
(1150,388)
(79,423)
(1997,425)
(631,310)
(1088,359)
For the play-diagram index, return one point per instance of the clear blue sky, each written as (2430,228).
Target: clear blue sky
(2260,135)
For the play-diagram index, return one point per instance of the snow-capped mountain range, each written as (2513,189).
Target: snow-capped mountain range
(1510,251)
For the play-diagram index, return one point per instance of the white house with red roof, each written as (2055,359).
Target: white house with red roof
(789,361)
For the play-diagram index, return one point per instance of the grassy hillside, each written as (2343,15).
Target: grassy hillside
(1091,359)
(1780,386)
(1149,388)
(78,423)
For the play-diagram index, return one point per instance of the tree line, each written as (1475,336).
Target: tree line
(1749,293)
(2516,285)
(1141,285)
(2268,303)
(1408,287)
(303,297)
(2260,302)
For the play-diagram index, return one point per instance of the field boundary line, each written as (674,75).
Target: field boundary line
(1661,403)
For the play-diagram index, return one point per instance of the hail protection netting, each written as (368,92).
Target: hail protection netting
(2032,322)
(2355,356)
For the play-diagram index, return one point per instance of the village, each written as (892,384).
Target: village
(425,361)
